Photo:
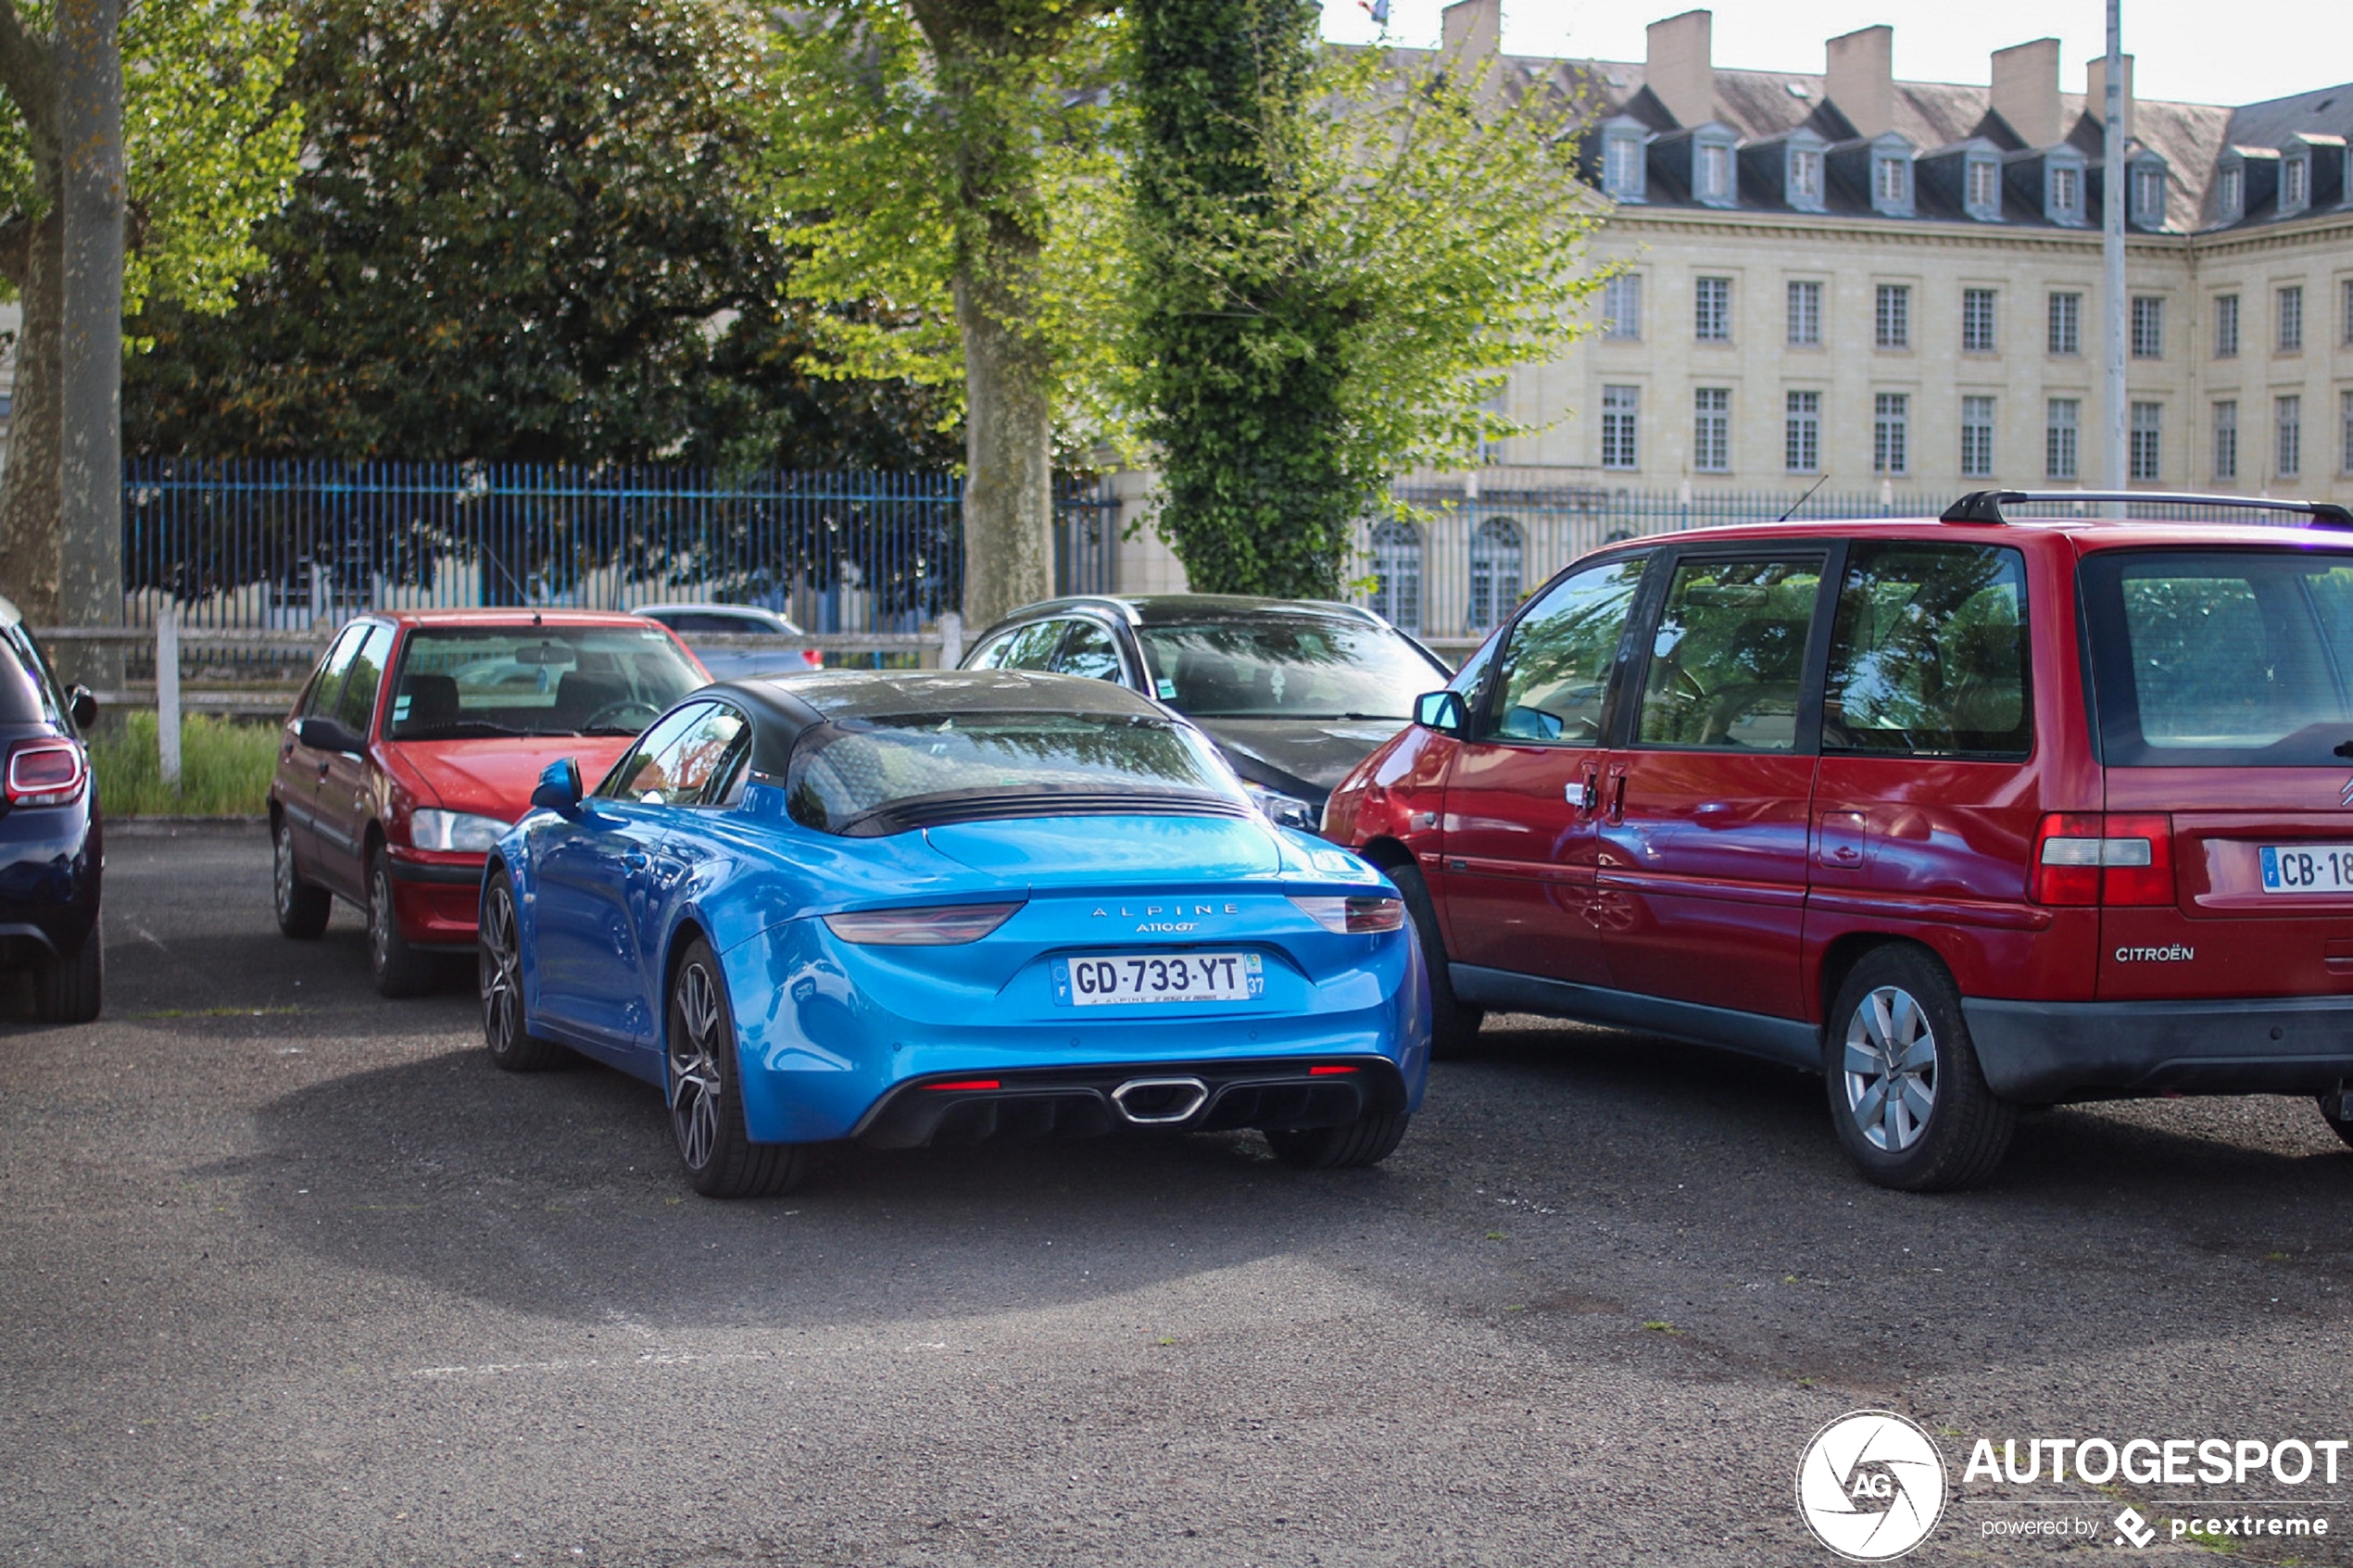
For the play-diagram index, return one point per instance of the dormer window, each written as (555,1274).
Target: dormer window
(1713,177)
(2148,194)
(1982,189)
(2063,191)
(2231,199)
(2296,183)
(1891,176)
(1802,174)
(1623,160)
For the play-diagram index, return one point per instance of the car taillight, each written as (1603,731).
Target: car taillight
(1355,912)
(942,926)
(46,772)
(2088,858)
(813,657)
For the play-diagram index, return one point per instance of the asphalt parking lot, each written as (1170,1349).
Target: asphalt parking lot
(292,1275)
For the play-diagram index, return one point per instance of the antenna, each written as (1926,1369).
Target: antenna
(1803,499)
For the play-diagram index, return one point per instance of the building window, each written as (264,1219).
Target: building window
(2058,437)
(2146,452)
(1397,574)
(1712,430)
(1495,557)
(2226,326)
(1806,177)
(1977,320)
(1892,182)
(2066,192)
(1622,307)
(2234,193)
(2296,183)
(2344,432)
(2226,439)
(1984,198)
(2148,195)
(1622,166)
(1803,432)
(1892,320)
(2291,318)
(1621,407)
(2288,419)
(1712,310)
(2148,327)
(2067,323)
(1715,172)
(1891,433)
(1806,315)
(1977,438)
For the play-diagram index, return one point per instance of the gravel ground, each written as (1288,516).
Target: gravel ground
(289,1275)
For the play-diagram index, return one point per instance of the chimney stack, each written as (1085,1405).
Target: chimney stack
(2026,91)
(1862,78)
(1472,33)
(2095,91)
(1679,69)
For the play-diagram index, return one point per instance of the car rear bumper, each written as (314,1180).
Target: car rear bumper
(2041,1052)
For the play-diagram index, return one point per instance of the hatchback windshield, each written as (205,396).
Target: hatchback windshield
(1300,668)
(2223,658)
(458,682)
(885,775)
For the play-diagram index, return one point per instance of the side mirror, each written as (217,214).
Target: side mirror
(1443,712)
(82,705)
(326,734)
(559,788)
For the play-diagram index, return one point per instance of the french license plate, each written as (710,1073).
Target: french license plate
(1121,979)
(2307,867)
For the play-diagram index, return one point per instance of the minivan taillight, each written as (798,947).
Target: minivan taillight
(2088,858)
(46,772)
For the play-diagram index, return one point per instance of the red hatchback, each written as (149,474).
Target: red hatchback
(1967,814)
(416,743)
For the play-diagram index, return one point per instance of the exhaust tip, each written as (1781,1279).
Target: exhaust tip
(1160,1102)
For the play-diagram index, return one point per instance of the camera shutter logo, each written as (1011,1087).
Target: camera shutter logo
(1871,1485)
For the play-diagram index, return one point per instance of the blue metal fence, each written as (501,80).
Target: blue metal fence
(290,546)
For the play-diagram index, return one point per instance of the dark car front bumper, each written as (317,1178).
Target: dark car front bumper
(2043,1052)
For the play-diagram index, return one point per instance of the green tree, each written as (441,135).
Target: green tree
(1339,255)
(950,159)
(134,159)
(524,233)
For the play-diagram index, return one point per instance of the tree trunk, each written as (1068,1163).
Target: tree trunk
(29,489)
(1009,450)
(89,60)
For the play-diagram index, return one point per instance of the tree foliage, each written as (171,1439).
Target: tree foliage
(1340,254)
(524,233)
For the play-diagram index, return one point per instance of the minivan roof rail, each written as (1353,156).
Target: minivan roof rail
(1985,506)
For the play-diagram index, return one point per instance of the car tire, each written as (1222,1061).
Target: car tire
(703,1085)
(302,907)
(1368,1140)
(1898,1023)
(399,969)
(72,988)
(498,970)
(1454,1025)
(2337,1124)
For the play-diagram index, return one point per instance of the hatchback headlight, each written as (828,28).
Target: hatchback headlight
(1284,810)
(428,829)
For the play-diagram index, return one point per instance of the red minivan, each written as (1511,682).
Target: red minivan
(1968,814)
(417,742)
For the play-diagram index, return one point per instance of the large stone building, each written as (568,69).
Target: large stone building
(1892,287)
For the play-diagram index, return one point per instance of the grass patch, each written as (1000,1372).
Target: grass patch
(224,768)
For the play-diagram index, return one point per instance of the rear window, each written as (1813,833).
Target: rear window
(881,776)
(1268,667)
(2222,658)
(20,700)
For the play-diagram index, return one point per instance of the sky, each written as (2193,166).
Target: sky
(2239,53)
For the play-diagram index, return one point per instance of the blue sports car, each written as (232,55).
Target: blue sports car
(909,909)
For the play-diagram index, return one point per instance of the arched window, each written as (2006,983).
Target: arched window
(1397,574)
(1495,557)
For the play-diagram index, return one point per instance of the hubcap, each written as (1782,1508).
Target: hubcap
(281,878)
(379,920)
(502,977)
(1891,1069)
(694,1066)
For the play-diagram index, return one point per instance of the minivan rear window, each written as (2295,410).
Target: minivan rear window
(2221,659)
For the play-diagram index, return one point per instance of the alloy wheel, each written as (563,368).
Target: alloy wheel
(282,872)
(1890,1068)
(379,920)
(694,1067)
(501,973)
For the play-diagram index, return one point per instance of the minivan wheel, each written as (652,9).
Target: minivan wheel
(1454,1028)
(1907,1095)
